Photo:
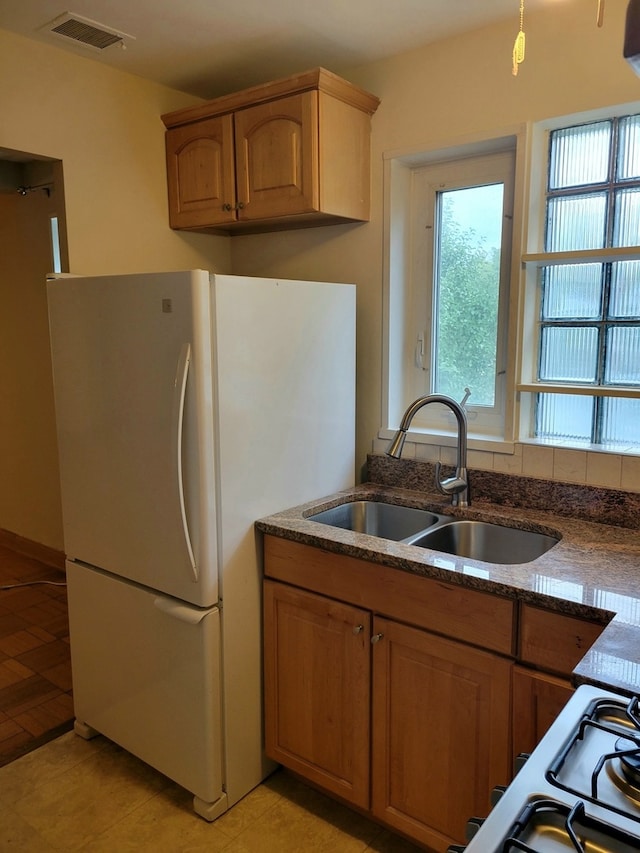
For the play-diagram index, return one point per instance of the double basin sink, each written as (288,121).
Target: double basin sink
(478,540)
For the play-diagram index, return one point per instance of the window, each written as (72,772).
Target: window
(588,327)
(461,253)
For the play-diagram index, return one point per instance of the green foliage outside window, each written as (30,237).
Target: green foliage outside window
(467,311)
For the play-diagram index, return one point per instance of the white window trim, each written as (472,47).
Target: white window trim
(428,182)
(398,347)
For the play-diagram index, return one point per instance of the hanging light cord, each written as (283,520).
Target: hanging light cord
(518,47)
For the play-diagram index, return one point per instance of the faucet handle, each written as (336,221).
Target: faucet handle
(467,394)
(450,486)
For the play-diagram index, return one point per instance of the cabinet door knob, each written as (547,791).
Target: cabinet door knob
(376,638)
(357,629)
(227,207)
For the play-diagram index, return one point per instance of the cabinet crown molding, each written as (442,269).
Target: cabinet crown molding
(317,78)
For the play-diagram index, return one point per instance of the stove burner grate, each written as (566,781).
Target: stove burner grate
(629,747)
(628,751)
(582,832)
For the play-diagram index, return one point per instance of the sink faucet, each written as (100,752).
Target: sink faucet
(458,485)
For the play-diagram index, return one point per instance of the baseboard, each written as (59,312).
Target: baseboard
(29,548)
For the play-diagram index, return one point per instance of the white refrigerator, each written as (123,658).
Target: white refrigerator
(188,405)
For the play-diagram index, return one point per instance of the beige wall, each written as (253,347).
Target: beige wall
(105,127)
(442,93)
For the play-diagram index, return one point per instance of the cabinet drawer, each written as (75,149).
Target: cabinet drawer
(468,615)
(553,641)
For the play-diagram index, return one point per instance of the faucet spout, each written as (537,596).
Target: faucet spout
(458,485)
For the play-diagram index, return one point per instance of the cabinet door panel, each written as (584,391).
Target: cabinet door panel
(440,732)
(538,698)
(317,696)
(277,157)
(200,173)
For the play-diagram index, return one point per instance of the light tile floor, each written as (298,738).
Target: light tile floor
(77,795)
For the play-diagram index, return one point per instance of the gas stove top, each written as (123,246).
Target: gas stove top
(580,789)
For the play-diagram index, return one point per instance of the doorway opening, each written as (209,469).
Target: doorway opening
(33,243)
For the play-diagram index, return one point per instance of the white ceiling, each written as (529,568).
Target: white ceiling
(211,47)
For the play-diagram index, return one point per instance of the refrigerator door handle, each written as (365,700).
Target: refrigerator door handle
(182,374)
(180,611)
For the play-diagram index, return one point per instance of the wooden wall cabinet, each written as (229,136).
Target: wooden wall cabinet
(439,708)
(291,153)
(201,173)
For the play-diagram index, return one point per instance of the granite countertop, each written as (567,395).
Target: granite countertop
(593,572)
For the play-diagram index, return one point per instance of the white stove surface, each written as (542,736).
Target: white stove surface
(570,783)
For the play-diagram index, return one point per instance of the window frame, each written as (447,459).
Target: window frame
(533,259)
(398,345)
(428,182)
(530,141)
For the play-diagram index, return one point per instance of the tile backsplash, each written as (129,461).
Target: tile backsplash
(560,464)
(574,500)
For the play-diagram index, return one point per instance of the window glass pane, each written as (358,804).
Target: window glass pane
(629,148)
(576,222)
(569,354)
(626,230)
(589,328)
(466,291)
(625,289)
(580,155)
(623,356)
(572,290)
(620,421)
(564,416)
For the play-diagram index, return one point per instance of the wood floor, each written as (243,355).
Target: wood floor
(35,668)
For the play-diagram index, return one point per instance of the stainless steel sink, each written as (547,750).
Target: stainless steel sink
(479,540)
(376,518)
(492,543)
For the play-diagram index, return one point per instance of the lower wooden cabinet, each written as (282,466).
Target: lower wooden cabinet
(401,695)
(440,732)
(538,698)
(317,682)
(439,711)
(550,645)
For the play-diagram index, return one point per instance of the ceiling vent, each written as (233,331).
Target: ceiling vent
(91,34)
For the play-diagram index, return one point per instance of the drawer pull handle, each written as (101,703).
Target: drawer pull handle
(376,638)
